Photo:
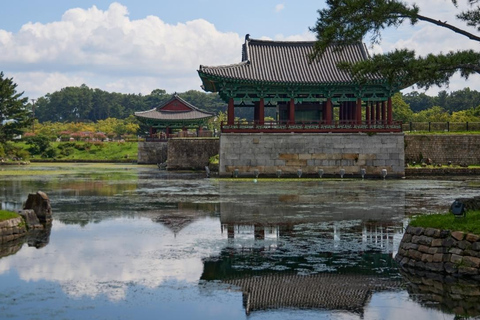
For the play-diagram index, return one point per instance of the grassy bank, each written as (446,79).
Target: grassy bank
(6,215)
(471,223)
(87,151)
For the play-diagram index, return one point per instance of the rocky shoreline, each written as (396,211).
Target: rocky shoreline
(447,252)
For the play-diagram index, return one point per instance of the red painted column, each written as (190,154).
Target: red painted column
(367,113)
(291,114)
(328,111)
(384,112)
(377,116)
(230,112)
(340,112)
(389,110)
(359,111)
(261,112)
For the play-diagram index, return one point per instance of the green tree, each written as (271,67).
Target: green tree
(347,21)
(15,114)
(401,109)
(434,114)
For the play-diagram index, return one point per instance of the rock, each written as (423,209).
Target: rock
(40,203)
(31,219)
(472,237)
(458,235)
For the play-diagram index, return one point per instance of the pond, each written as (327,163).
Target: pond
(133,242)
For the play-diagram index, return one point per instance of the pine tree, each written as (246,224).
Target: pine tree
(14,112)
(347,21)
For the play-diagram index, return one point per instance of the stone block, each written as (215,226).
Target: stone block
(458,235)
(471,261)
(434,266)
(467,271)
(450,267)
(464,244)
(449,242)
(406,238)
(472,237)
(455,258)
(431,232)
(423,248)
(414,254)
(427,257)
(304,156)
(476,246)
(456,251)
(288,156)
(436,242)
(422,240)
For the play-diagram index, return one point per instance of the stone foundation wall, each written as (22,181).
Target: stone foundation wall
(331,152)
(194,153)
(443,251)
(12,229)
(152,152)
(457,148)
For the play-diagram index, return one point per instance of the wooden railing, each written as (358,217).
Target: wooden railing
(310,127)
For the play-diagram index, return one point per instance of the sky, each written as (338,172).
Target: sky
(136,46)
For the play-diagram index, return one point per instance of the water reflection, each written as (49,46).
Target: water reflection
(176,244)
(446,293)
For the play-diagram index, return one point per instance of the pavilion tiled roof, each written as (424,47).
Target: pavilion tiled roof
(193,113)
(286,62)
(319,291)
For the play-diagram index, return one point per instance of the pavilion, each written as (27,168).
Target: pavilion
(174,114)
(309,96)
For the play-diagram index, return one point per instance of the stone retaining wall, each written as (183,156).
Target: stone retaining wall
(152,152)
(309,152)
(12,229)
(443,251)
(442,148)
(191,153)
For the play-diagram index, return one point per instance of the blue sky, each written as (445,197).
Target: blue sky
(137,46)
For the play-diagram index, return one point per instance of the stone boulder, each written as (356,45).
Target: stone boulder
(40,204)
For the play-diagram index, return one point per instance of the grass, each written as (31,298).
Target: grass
(471,223)
(6,215)
(88,151)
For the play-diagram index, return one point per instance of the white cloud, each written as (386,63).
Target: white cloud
(108,265)
(279,7)
(89,44)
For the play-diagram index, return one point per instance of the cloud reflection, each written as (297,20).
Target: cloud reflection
(106,258)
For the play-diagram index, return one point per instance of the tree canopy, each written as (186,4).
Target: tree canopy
(14,112)
(345,21)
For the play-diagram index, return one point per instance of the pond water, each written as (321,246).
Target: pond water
(133,242)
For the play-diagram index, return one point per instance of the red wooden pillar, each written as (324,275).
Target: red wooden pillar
(151,132)
(340,112)
(389,110)
(367,113)
(377,112)
(291,113)
(231,112)
(261,112)
(384,113)
(372,113)
(358,112)
(328,111)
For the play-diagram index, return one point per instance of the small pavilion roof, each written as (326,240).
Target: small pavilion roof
(175,109)
(287,62)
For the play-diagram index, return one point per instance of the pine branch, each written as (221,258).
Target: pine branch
(449,26)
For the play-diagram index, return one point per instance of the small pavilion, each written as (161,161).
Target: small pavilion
(175,114)
(309,96)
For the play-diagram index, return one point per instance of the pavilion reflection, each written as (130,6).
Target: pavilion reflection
(304,251)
